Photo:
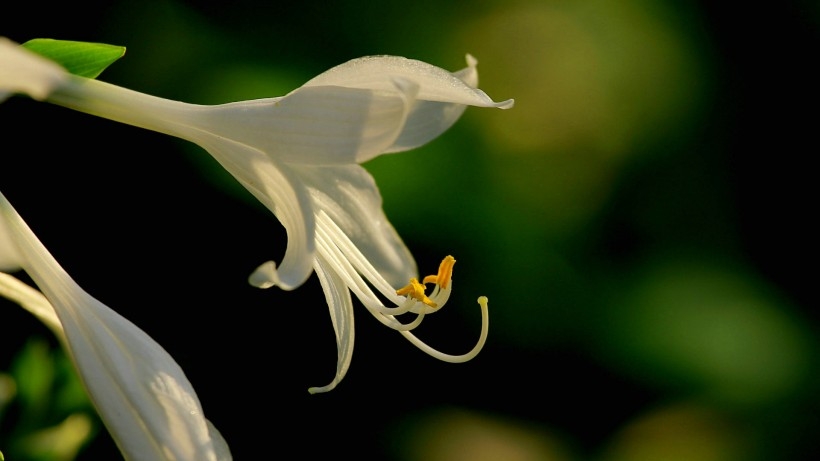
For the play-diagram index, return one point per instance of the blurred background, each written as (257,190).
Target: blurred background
(639,222)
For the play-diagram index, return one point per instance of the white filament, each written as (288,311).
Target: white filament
(351,264)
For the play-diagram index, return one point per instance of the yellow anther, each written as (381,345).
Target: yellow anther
(445,273)
(416,291)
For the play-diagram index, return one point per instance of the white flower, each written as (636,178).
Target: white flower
(27,73)
(140,392)
(299,155)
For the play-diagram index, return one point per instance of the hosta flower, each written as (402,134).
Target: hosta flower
(22,72)
(140,392)
(299,154)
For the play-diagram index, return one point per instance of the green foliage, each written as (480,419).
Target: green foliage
(44,413)
(80,58)
(33,370)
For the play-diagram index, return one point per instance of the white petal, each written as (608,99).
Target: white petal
(348,194)
(282,192)
(426,121)
(265,276)
(317,126)
(142,395)
(31,300)
(469,74)
(441,99)
(338,300)
(22,71)
(10,260)
(435,83)
(223,452)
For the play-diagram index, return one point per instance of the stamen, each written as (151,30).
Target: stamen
(416,291)
(342,255)
(355,257)
(445,273)
(485,326)
(358,286)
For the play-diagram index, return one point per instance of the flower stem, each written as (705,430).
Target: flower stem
(127,106)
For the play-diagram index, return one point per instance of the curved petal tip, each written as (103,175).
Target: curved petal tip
(508,104)
(264,276)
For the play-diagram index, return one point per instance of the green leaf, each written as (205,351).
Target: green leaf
(85,59)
